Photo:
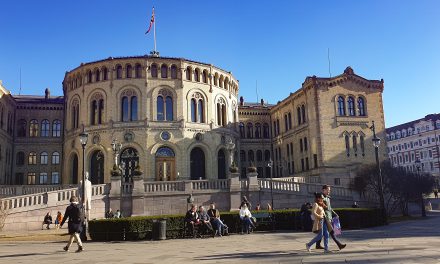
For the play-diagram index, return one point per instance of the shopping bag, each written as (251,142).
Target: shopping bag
(336,224)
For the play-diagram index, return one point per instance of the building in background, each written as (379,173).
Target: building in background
(416,140)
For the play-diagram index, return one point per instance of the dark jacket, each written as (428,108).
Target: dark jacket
(191,216)
(48,219)
(213,213)
(73,213)
(203,216)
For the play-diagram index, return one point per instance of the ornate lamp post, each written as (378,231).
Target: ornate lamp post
(270,165)
(83,140)
(418,165)
(376,144)
(116,147)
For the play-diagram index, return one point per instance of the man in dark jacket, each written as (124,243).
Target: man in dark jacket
(191,219)
(204,220)
(75,215)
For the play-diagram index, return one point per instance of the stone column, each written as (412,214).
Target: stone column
(234,191)
(115,193)
(137,196)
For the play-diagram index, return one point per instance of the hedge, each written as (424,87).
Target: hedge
(140,227)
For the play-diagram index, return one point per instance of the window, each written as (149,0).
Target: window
(315,160)
(242,155)
(242,133)
(257,130)
(31,178)
(307,163)
(43,177)
(301,147)
(362,143)
(351,110)
(124,108)
(341,106)
(56,128)
(128,71)
(250,129)
(302,165)
(306,144)
(32,158)
(216,79)
(20,158)
(55,158)
(303,113)
(347,145)
(119,72)
(221,112)
(173,72)
(193,110)
(75,114)
(164,71)
(361,106)
(355,148)
(196,75)
(138,71)
(89,76)
(104,74)
(33,128)
(21,129)
(129,106)
(286,122)
(43,158)
(55,179)
(154,71)
(205,77)
(197,108)
(133,109)
(165,106)
(266,155)
(251,155)
(259,155)
(97,75)
(290,120)
(265,130)
(45,124)
(337,181)
(298,113)
(188,73)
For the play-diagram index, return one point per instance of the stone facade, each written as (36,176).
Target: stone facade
(7,109)
(416,140)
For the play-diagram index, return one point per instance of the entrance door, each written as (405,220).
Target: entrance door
(165,169)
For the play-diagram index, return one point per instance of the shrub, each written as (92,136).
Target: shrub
(140,227)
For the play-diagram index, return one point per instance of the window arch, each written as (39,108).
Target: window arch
(32,158)
(21,128)
(251,155)
(259,155)
(197,164)
(33,128)
(154,71)
(362,143)
(164,106)
(97,109)
(56,128)
(118,72)
(221,81)
(216,79)
(197,75)
(197,108)
(351,108)
(257,130)
(45,127)
(129,106)
(89,76)
(104,74)
(188,73)
(226,83)
(43,158)
(250,130)
(289,115)
(20,158)
(55,158)
(265,130)
(128,71)
(303,113)
(173,71)
(205,76)
(355,148)
(97,75)
(361,106)
(341,106)
(347,145)
(75,114)
(267,155)
(138,71)
(124,108)
(193,110)
(221,112)
(298,113)
(164,71)
(242,133)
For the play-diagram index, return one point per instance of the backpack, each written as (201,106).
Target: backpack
(77,215)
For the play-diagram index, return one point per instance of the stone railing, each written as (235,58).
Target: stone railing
(167,186)
(287,186)
(23,201)
(244,184)
(127,188)
(12,190)
(186,186)
(210,185)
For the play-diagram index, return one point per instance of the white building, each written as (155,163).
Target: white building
(418,139)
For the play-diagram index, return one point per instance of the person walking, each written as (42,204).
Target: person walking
(318,223)
(329,213)
(74,212)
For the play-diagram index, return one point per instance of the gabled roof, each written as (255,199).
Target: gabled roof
(432,117)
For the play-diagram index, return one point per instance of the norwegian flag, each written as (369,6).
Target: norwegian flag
(151,22)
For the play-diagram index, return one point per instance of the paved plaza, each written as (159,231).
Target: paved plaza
(414,241)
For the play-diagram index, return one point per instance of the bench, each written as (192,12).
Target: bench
(264,218)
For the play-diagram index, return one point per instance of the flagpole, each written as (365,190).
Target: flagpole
(154,29)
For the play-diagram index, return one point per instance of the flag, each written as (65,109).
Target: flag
(151,22)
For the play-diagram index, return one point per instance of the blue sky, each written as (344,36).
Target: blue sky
(275,43)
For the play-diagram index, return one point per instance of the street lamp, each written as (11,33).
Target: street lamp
(116,147)
(83,136)
(418,163)
(270,165)
(376,144)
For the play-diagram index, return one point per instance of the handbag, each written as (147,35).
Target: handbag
(336,224)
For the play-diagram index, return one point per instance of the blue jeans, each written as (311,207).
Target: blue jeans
(218,224)
(322,232)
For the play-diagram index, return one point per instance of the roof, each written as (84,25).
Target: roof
(255,105)
(433,117)
(38,99)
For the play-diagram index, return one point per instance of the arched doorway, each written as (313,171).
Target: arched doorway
(74,169)
(129,160)
(197,164)
(165,164)
(221,166)
(97,167)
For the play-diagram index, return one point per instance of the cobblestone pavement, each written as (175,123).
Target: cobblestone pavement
(413,241)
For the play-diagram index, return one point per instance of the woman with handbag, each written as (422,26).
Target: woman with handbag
(318,214)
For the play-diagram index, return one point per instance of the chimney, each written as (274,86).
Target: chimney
(241,100)
(47,93)
(262,101)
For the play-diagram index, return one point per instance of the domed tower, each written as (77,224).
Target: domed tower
(173,117)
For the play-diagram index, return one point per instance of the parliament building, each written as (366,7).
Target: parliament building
(179,119)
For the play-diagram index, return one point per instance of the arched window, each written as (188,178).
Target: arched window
(221,112)
(259,155)
(100,111)
(134,109)
(200,111)
(154,71)
(165,108)
(303,113)
(128,71)
(32,158)
(104,74)
(205,77)
(21,128)
(197,164)
(75,114)
(362,143)
(160,108)
(267,155)
(119,72)
(242,155)
(173,71)
(138,71)
(45,127)
(124,109)
(196,75)
(97,75)
(351,110)
(250,130)
(20,158)
(55,158)
(355,148)
(164,71)
(56,128)
(347,145)
(220,84)
(290,120)
(242,133)
(216,79)
(129,161)
(221,165)
(265,130)
(193,110)
(226,84)
(33,128)
(89,76)
(361,106)
(298,113)
(341,106)
(251,155)
(257,130)
(188,73)
(94,112)
(97,167)
(43,158)
(286,122)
